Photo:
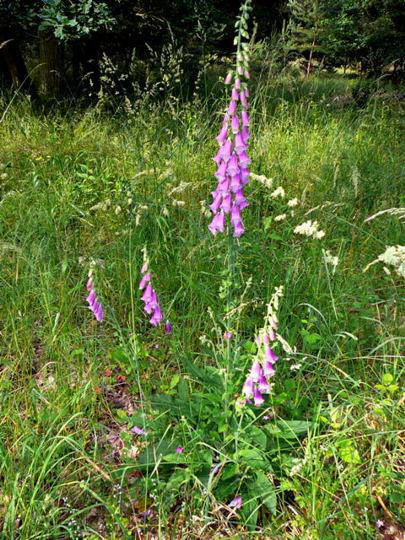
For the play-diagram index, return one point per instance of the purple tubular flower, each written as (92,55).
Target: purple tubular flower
(226,203)
(232,107)
(221,171)
(263,385)
(222,135)
(144,281)
(247,389)
(270,355)
(236,502)
(238,229)
(243,98)
(240,144)
(168,327)
(216,202)
(235,94)
(217,224)
(149,297)
(245,134)
(257,397)
(237,84)
(240,199)
(256,371)
(268,369)
(235,124)
(236,184)
(228,78)
(94,305)
(233,166)
(226,150)
(245,118)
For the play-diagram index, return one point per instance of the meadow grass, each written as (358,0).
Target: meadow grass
(82,185)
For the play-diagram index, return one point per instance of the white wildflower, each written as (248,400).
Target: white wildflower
(295,367)
(165,211)
(267,182)
(331,259)
(118,209)
(394,256)
(3,175)
(309,228)
(278,192)
(292,202)
(281,217)
(175,202)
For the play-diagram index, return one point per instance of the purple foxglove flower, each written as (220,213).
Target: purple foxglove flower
(243,98)
(270,354)
(168,327)
(223,187)
(144,268)
(245,118)
(218,157)
(144,281)
(268,369)
(247,74)
(228,78)
(235,214)
(240,199)
(263,385)
(247,93)
(228,335)
(257,397)
(237,84)
(235,94)
(94,305)
(233,167)
(226,203)
(240,144)
(236,502)
(226,150)
(256,371)
(243,159)
(235,183)
(247,389)
(238,229)
(240,70)
(157,316)
(235,124)
(221,171)
(244,175)
(221,138)
(179,450)
(216,203)
(232,108)
(217,224)
(245,134)
(138,431)
(148,294)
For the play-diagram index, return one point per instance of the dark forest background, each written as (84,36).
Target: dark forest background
(87,48)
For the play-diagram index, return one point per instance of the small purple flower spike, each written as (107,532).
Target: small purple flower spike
(94,305)
(168,327)
(236,502)
(149,298)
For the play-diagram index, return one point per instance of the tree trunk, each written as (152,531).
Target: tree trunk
(13,60)
(50,65)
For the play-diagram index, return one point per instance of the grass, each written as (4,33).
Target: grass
(82,185)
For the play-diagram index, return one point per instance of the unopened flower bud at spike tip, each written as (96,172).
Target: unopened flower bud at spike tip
(168,327)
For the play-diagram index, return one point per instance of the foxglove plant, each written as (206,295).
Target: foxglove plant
(149,297)
(94,304)
(257,382)
(231,159)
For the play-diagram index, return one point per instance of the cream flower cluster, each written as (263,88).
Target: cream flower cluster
(310,228)
(394,256)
